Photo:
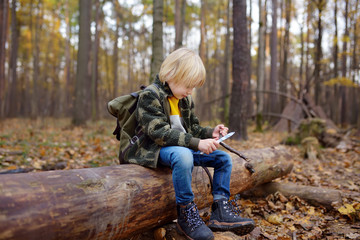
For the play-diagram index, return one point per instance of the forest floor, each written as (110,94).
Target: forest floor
(48,144)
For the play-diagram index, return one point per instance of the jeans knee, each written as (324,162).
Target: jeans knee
(227,160)
(183,159)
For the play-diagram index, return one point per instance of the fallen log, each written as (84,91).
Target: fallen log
(113,202)
(316,196)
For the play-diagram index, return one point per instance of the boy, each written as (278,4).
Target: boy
(173,137)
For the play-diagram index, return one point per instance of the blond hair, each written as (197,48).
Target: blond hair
(183,66)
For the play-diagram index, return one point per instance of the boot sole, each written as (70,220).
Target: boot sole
(180,231)
(236,228)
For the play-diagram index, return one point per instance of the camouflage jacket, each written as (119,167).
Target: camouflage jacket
(153,113)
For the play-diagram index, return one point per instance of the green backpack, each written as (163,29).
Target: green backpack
(127,130)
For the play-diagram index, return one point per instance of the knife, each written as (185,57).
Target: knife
(223,138)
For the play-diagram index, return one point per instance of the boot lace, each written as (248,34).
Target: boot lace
(234,207)
(193,218)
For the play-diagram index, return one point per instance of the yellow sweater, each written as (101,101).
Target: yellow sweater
(175,114)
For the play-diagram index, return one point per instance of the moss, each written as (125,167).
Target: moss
(91,185)
(292,140)
(259,122)
(313,127)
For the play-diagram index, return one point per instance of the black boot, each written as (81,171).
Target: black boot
(191,225)
(225,217)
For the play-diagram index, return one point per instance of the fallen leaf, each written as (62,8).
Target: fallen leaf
(159,234)
(311,211)
(305,223)
(348,210)
(289,206)
(353,235)
(42,151)
(275,219)
(37,165)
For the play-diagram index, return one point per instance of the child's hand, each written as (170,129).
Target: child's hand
(208,145)
(220,129)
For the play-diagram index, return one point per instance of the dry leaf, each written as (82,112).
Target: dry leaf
(275,219)
(347,209)
(159,234)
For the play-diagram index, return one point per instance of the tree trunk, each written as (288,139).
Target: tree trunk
(82,76)
(274,59)
(240,71)
(54,104)
(301,78)
(250,105)
(335,43)
(36,94)
(116,50)
(261,65)
(320,4)
(355,119)
(308,55)
(225,80)
(95,63)
(4,9)
(12,107)
(285,47)
(180,6)
(202,109)
(343,89)
(355,56)
(316,196)
(202,47)
(129,56)
(157,41)
(113,202)
(68,80)
(334,100)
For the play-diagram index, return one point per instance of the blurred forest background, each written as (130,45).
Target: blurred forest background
(62,58)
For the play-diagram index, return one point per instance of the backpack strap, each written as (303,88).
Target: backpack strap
(133,140)
(116,132)
(154,87)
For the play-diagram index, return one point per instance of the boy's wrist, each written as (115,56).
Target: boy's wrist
(194,143)
(209,133)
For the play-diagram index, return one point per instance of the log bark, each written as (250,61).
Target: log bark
(113,202)
(316,196)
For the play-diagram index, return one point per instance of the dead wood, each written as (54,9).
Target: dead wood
(113,202)
(318,112)
(294,110)
(299,110)
(317,196)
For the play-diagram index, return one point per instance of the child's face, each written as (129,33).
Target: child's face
(179,90)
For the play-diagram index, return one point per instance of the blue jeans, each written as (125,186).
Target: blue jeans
(182,160)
